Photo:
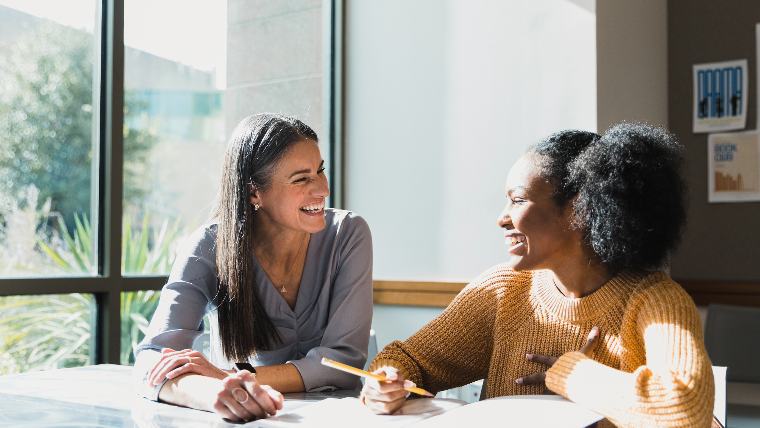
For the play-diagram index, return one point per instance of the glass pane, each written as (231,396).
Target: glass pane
(188,82)
(46,127)
(136,311)
(45,332)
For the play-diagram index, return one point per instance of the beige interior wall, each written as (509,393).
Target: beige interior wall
(632,61)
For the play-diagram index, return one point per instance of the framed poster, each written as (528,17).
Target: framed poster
(720,96)
(733,167)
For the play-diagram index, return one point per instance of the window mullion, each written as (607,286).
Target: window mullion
(107,342)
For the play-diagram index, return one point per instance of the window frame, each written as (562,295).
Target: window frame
(107,207)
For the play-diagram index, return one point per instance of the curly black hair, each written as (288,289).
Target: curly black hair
(626,188)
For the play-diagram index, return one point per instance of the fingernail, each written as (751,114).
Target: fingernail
(409,384)
(529,356)
(519,381)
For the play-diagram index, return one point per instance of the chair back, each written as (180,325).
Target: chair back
(731,338)
(371,348)
(719,408)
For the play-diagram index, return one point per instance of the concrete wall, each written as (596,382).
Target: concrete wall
(271,66)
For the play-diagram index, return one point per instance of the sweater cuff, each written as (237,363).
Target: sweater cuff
(558,374)
(385,362)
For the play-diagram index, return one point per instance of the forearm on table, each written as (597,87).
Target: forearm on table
(191,390)
(198,391)
(639,398)
(282,377)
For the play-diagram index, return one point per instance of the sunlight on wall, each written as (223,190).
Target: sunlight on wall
(441,98)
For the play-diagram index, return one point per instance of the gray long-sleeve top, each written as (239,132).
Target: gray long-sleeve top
(331,318)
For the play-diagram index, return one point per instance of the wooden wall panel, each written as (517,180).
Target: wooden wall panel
(440,294)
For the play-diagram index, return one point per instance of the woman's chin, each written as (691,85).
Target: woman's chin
(315,226)
(518,263)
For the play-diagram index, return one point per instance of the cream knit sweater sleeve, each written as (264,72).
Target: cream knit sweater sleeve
(454,348)
(675,385)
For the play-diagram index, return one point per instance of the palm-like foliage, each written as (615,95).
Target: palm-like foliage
(38,332)
(41,332)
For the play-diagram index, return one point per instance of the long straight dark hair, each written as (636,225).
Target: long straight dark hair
(253,151)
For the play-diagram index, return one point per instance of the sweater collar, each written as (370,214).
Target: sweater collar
(611,294)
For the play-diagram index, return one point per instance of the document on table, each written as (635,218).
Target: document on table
(547,411)
(526,410)
(349,412)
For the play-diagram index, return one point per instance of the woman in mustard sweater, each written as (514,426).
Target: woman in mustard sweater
(581,307)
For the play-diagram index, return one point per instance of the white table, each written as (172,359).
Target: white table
(104,396)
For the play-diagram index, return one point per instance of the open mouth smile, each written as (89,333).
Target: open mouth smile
(314,209)
(516,242)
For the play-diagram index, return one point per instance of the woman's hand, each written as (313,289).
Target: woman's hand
(539,378)
(385,397)
(243,399)
(176,363)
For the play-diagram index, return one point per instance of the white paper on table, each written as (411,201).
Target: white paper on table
(349,412)
(518,411)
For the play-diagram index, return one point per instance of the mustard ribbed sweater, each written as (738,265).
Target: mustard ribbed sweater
(650,367)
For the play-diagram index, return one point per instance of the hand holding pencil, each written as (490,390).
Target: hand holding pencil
(385,390)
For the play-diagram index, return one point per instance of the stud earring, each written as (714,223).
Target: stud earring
(256,207)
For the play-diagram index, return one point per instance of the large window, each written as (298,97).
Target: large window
(113,123)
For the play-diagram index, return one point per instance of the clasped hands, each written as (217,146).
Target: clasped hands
(239,398)
(386,397)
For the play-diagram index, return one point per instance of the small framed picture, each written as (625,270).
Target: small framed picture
(720,96)
(733,171)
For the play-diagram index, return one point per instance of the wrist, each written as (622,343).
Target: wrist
(221,373)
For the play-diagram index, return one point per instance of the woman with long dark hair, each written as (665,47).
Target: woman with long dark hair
(284,282)
(582,307)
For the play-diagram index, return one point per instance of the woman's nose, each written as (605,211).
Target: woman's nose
(503,220)
(322,189)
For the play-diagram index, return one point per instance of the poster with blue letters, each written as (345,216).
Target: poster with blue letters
(720,96)
(733,167)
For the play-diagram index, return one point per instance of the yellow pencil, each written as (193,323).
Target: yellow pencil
(363,373)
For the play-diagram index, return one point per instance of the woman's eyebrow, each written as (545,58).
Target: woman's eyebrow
(305,170)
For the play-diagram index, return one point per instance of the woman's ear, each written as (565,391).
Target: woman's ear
(254,196)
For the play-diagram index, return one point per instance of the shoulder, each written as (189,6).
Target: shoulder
(344,222)
(196,254)
(654,286)
(345,229)
(657,295)
(498,282)
(200,242)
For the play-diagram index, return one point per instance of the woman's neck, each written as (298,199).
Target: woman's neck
(278,244)
(580,279)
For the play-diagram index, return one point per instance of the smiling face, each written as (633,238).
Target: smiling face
(536,230)
(295,198)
